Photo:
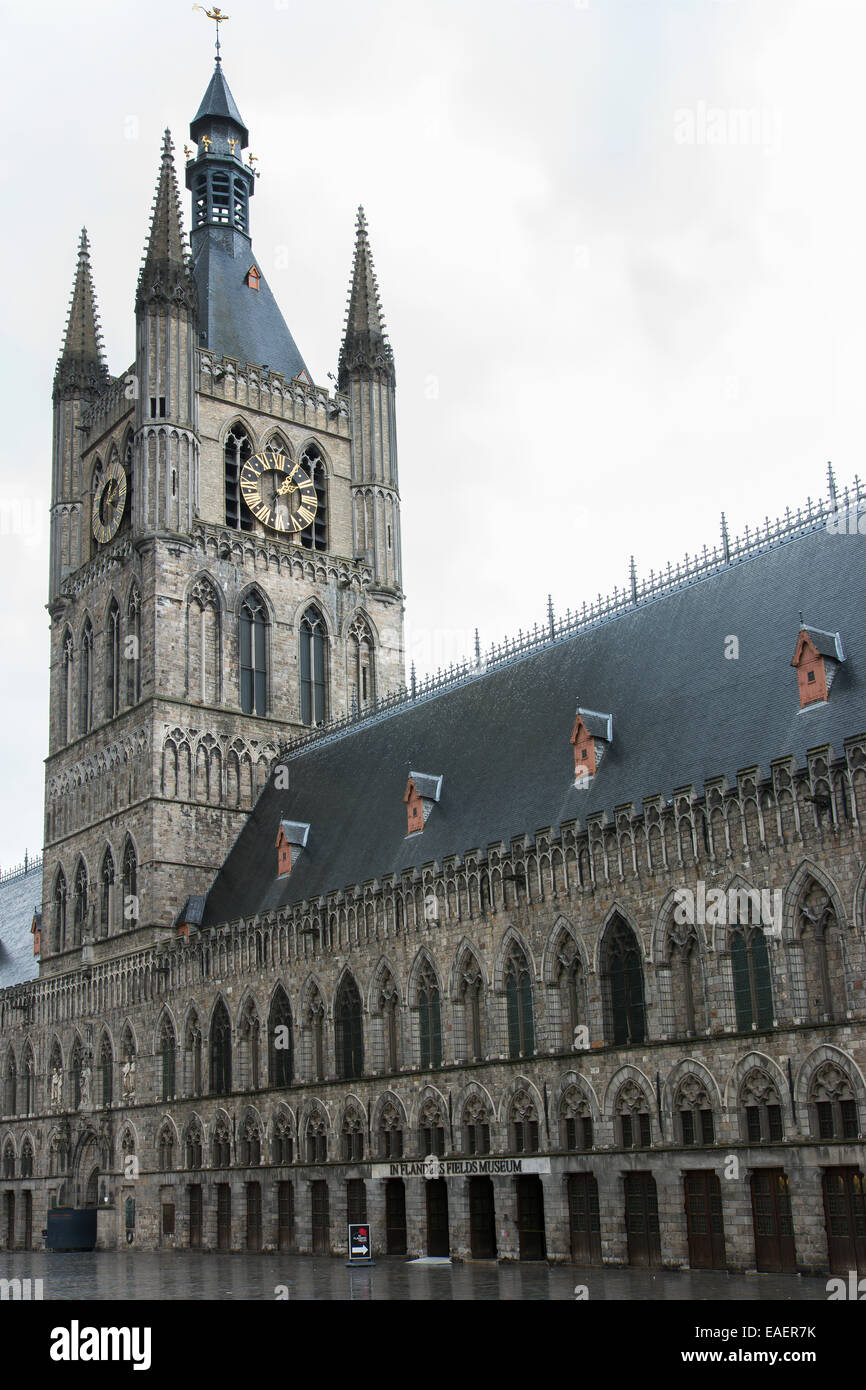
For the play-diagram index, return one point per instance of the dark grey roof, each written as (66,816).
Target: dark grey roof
(684,713)
(295,832)
(428,787)
(826,643)
(20,899)
(236,321)
(217,103)
(597,725)
(192,910)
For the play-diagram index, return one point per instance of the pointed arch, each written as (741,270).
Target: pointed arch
(249,1045)
(113,653)
(106,893)
(166,1051)
(204,631)
(360,661)
(313,666)
(129,884)
(622,983)
(253,651)
(564,970)
(193,1075)
(86,676)
(312,458)
(470,988)
(67,685)
(424,986)
(60,900)
(237,448)
(281,1062)
(220,1047)
(517,989)
(132,652)
(80,901)
(348,1028)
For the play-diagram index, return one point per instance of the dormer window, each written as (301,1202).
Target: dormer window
(591,735)
(291,839)
(423,790)
(816,661)
(253,277)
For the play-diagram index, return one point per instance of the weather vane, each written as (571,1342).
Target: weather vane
(218,18)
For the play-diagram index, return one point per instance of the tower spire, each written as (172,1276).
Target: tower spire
(166,273)
(365,341)
(81,365)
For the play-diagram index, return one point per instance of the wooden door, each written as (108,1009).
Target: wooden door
(845,1219)
(706,1232)
(321,1218)
(27,1199)
(9,1203)
(395,1216)
(438,1237)
(771,1214)
(642,1220)
(254,1216)
(584,1219)
(224,1216)
(195,1216)
(285,1216)
(530,1218)
(482,1219)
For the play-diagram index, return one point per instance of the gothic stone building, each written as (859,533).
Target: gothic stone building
(562,956)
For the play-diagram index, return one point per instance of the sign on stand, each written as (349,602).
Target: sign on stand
(360,1245)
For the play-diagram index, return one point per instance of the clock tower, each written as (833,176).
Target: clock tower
(225,554)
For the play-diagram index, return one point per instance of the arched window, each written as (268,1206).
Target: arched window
(167,1053)
(220,1050)
(632,1115)
(193,1146)
(112,661)
(315,537)
(10,1090)
(166,1149)
(106,893)
(106,1071)
(316,1024)
(192,1056)
(390,1131)
(575,1120)
(283,1147)
(694,1113)
(570,987)
(352,1136)
(750,963)
(27,1159)
(60,911)
(237,450)
(348,1028)
(204,643)
(476,1126)
(686,987)
(55,1073)
(8,1161)
(67,687)
(523,1123)
(389,1004)
(760,1109)
(130,885)
(222,1144)
(518,1003)
(471,989)
(248,1047)
(132,647)
(622,985)
(28,1082)
(317,1138)
(832,1104)
(75,1069)
(79,903)
(280,1040)
(360,666)
(429,1020)
(85,717)
(312,665)
(431,1128)
(250,1143)
(252,634)
(823,977)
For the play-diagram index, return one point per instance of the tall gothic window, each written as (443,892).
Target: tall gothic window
(106,1071)
(79,903)
(67,687)
(471,991)
(238,449)
(523,1124)
(75,1068)
(85,717)
(389,1009)
(823,973)
(167,1053)
(569,980)
(60,911)
(132,647)
(193,1146)
(313,651)
(622,985)
(429,1021)
(106,893)
(28,1080)
(315,537)
(695,1112)
(476,1126)
(685,968)
(220,1050)
(253,659)
(316,1025)
(10,1099)
(317,1138)
(112,661)
(352,1135)
(431,1128)
(750,962)
(192,1056)
(761,1117)
(283,1144)
(280,1040)
(349,1038)
(390,1131)
(360,666)
(129,903)
(204,643)
(249,1032)
(518,1004)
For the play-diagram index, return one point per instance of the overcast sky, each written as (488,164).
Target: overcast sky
(619,245)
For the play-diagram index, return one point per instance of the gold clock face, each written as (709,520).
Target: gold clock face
(109,501)
(278,491)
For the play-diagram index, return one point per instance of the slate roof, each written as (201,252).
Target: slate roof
(428,787)
(20,898)
(597,725)
(826,643)
(234,320)
(218,103)
(682,714)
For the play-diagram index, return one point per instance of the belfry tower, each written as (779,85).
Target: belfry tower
(225,554)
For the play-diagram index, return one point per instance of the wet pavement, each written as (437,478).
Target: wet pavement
(191,1275)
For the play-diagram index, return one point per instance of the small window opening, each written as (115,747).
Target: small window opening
(810,677)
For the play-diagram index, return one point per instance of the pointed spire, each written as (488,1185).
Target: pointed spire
(365,342)
(166,273)
(81,365)
(218,104)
